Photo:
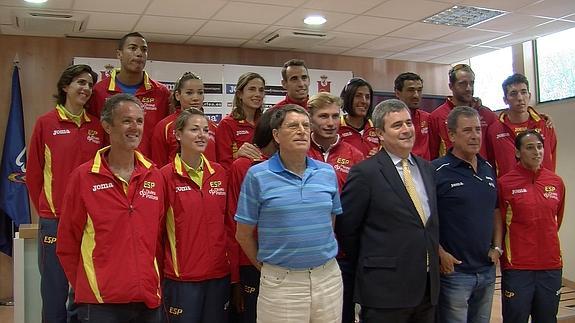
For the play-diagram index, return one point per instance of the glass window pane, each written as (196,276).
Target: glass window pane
(556,66)
(491,70)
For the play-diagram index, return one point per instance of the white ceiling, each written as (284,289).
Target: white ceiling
(368,28)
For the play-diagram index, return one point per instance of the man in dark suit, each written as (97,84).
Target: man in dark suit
(389,226)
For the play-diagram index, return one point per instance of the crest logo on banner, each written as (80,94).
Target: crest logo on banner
(324,85)
(108,69)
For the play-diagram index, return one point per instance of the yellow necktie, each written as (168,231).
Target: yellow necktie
(410,186)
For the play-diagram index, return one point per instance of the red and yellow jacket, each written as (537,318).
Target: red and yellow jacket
(531,205)
(58,145)
(238,171)
(231,134)
(439,142)
(420,121)
(366,142)
(165,146)
(197,232)
(341,155)
(287,100)
(155,98)
(502,134)
(108,234)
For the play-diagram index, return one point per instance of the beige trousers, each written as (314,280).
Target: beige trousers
(313,295)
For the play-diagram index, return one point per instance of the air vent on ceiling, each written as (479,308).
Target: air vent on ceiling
(49,22)
(287,38)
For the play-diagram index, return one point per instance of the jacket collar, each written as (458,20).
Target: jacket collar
(112,86)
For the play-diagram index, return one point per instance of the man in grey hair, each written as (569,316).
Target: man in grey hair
(389,227)
(109,230)
(469,223)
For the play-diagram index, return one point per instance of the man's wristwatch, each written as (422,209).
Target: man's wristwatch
(498,249)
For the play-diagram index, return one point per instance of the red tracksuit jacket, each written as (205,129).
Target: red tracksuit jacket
(287,100)
(197,232)
(238,171)
(502,134)
(364,142)
(56,148)
(231,134)
(531,205)
(439,141)
(108,238)
(342,156)
(165,146)
(155,99)
(420,121)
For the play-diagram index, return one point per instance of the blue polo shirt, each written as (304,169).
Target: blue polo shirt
(293,214)
(466,201)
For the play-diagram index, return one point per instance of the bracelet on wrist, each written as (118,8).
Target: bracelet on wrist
(498,249)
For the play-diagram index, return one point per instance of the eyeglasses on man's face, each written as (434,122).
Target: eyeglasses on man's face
(295,126)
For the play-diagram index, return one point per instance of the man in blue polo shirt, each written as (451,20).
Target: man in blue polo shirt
(469,223)
(292,200)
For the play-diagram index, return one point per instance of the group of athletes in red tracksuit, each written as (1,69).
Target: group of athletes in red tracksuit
(113,255)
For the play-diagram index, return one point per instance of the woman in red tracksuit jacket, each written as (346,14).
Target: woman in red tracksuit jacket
(188,93)
(197,232)
(356,127)
(532,200)
(237,128)
(246,277)
(66,128)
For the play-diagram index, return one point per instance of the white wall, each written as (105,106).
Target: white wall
(563,114)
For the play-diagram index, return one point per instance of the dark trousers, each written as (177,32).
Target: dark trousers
(53,282)
(422,313)
(250,280)
(530,292)
(348,277)
(72,308)
(197,302)
(118,313)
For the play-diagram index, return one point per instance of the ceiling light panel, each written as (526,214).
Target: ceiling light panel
(463,16)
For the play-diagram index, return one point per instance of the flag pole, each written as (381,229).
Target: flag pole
(16,64)
(16,61)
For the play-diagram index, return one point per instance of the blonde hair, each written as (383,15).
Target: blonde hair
(180,122)
(322,99)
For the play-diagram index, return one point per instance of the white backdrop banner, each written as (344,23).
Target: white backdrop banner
(220,80)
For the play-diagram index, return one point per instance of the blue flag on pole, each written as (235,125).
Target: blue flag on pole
(14,201)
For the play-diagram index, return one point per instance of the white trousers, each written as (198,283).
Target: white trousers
(313,295)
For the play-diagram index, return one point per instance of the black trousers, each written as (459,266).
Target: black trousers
(118,313)
(250,279)
(197,302)
(422,313)
(53,282)
(348,277)
(534,293)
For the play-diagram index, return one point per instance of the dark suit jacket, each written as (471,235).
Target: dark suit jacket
(382,232)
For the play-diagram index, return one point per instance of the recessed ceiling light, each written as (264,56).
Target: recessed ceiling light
(36,1)
(463,16)
(314,20)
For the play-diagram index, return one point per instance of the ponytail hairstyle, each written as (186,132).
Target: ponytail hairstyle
(178,86)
